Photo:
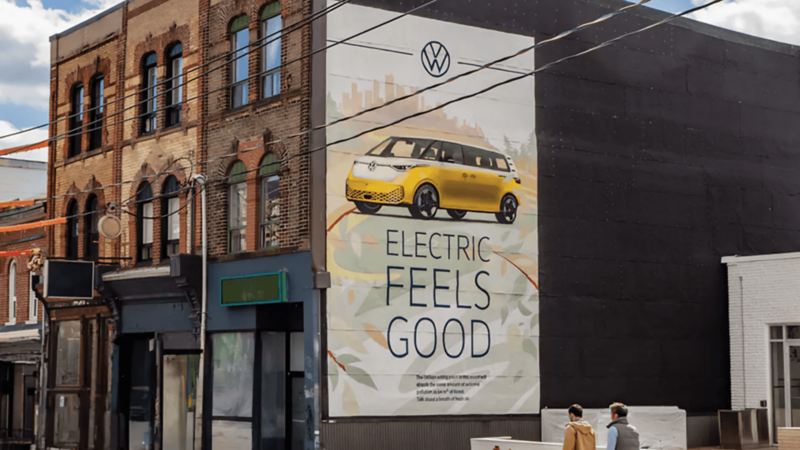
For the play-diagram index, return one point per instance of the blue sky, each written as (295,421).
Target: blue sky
(671,5)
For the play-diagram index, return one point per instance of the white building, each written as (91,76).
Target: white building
(20,179)
(764,323)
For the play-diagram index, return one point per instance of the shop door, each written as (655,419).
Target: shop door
(179,392)
(793,377)
(785,377)
(140,386)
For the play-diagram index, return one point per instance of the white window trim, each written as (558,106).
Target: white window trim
(12,293)
(33,302)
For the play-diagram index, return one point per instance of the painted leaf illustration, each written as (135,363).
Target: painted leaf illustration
(529,347)
(333,376)
(358,374)
(348,359)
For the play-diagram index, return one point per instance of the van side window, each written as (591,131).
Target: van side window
(501,163)
(451,153)
(479,158)
(432,152)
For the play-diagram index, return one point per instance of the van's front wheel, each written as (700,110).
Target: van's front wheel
(508,209)
(426,203)
(367,208)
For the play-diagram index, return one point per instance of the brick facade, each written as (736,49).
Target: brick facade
(250,132)
(210,136)
(16,241)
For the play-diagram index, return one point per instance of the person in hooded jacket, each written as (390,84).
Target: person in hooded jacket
(578,435)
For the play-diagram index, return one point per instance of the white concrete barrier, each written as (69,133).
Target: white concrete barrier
(660,427)
(506,443)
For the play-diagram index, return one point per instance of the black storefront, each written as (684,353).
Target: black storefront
(256,376)
(155,360)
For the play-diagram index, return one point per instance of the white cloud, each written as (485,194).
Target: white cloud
(25,30)
(778,20)
(23,139)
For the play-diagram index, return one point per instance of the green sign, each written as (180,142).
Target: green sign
(254,289)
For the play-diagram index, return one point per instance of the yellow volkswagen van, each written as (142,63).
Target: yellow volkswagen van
(426,175)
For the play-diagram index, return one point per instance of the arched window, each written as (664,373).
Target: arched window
(91,235)
(144,223)
(149,94)
(174,100)
(98,92)
(237,208)
(75,121)
(170,218)
(71,237)
(12,293)
(271,26)
(269,204)
(239,65)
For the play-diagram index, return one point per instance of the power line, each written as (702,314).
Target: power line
(69,134)
(560,36)
(273,37)
(493,86)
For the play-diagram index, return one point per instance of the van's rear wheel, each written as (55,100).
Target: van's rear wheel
(426,203)
(367,208)
(456,214)
(508,209)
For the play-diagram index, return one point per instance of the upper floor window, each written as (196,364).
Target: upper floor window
(269,179)
(96,112)
(237,208)
(91,235)
(149,93)
(76,121)
(271,25)
(33,306)
(144,223)
(170,217)
(239,65)
(174,100)
(12,292)
(72,230)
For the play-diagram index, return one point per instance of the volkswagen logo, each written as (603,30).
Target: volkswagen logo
(435,59)
(372,165)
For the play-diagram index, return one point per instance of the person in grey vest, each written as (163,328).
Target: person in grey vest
(621,434)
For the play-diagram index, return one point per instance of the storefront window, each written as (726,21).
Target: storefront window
(68,353)
(233,374)
(179,396)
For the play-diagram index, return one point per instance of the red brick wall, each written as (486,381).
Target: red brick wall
(20,240)
(245,131)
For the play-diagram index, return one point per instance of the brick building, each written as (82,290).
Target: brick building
(144,96)
(20,316)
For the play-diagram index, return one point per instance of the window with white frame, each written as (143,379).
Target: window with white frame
(237,208)
(32,305)
(12,292)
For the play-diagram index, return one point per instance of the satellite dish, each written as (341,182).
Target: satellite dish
(110,227)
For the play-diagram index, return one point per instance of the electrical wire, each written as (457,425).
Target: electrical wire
(78,132)
(462,98)
(557,37)
(273,37)
(488,88)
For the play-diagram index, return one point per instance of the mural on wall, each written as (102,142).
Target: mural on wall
(432,223)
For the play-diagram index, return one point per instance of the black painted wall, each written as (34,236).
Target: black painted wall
(657,156)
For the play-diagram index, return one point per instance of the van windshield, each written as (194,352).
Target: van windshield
(400,148)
